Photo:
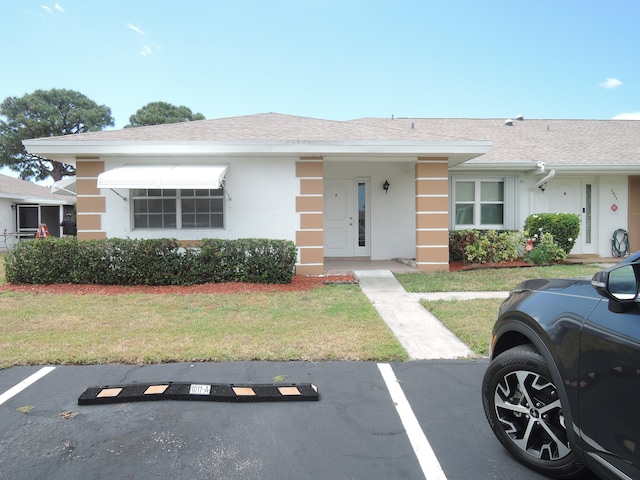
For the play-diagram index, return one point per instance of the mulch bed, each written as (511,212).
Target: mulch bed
(299,283)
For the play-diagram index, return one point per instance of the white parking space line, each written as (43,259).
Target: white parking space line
(13,391)
(421,447)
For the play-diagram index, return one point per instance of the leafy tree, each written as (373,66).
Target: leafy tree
(45,113)
(157,113)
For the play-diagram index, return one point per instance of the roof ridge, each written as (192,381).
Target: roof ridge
(429,132)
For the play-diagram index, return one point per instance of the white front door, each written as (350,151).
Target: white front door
(566,197)
(346,218)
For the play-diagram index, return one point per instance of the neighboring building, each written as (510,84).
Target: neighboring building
(24,206)
(587,167)
(321,183)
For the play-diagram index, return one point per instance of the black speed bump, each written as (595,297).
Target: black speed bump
(212,392)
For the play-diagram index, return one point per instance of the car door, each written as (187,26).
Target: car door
(609,388)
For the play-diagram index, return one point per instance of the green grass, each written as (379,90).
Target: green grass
(472,320)
(334,322)
(489,279)
(469,320)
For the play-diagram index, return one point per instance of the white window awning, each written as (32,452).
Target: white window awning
(66,186)
(164,176)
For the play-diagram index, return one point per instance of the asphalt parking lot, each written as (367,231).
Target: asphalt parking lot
(359,429)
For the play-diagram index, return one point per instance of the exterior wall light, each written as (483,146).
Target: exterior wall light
(386,186)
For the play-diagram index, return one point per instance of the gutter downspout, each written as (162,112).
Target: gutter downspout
(545,179)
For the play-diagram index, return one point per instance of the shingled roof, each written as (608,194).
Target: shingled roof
(21,190)
(260,127)
(578,143)
(261,135)
(558,142)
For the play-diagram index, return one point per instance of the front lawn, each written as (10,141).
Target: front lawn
(332,322)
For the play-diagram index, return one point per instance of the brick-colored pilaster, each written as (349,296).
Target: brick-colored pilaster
(90,204)
(432,214)
(310,207)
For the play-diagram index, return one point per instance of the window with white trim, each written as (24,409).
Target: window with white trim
(178,208)
(479,204)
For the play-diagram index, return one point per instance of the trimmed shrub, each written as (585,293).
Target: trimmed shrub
(459,240)
(485,246)
(545,251)
(150,261)
(252,260)
(50,260)
(493,247)
(564,227)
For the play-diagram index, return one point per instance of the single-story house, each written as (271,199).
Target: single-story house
(368,188)
(24,206)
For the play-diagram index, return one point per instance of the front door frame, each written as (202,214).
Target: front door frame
(347,220)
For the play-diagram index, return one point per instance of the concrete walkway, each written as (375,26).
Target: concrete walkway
(422,334)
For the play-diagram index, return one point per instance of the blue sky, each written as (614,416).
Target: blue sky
(332,59)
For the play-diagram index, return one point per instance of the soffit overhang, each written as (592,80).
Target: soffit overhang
(396,151)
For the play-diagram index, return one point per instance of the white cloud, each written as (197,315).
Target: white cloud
(627,116)
(611,83)
(47,9)
(146,49)
(135,29)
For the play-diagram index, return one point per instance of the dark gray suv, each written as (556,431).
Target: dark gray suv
(562,391)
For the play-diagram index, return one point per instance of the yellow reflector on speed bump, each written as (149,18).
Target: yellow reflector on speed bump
(155,389)
(109,392)
(289,391)
(243,391)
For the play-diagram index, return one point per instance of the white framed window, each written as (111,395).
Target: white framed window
(178,208)
(478,203)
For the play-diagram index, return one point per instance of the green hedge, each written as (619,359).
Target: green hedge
(150,262)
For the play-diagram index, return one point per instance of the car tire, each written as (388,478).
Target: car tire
(523,408)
